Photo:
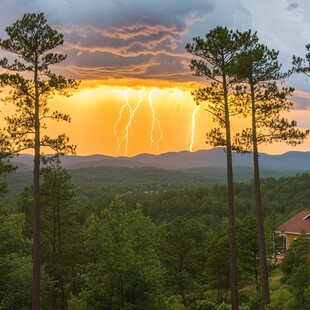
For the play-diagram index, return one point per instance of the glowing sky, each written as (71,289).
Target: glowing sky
(136,82)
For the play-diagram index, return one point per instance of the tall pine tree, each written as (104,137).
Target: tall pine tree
(32,84)
(214,55)
(258,70)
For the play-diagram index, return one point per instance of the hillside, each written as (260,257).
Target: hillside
(142,179)
(146,172)
(216,158)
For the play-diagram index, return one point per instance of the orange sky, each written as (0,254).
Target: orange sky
(101,120)
(162,122)
(116,45)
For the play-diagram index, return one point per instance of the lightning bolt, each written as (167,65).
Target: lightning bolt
(161,133)
(125,105)
(155,120)
(155,125)
(193,128)
(131,116)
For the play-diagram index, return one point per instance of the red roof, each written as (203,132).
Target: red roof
(297,224)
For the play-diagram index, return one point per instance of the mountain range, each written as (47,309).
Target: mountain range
(212,158)
(96,174)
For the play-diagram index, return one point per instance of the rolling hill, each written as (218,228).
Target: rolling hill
(215,158)
(147,173)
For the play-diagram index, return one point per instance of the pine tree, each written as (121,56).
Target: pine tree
(258,70)
(215,54)
(5,168)
(301,65)
(32,84)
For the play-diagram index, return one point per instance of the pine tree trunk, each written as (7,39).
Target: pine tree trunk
(231,208)
(63,301)
(37,203)
(259,209)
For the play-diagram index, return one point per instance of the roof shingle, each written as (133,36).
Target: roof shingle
(298,223)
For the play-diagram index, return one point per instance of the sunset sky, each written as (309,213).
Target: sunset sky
(130,57)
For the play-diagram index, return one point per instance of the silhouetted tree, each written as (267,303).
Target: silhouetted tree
(258,68)
(301,65)
(32,85)
(215,54)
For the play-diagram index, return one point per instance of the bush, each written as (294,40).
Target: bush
(76,304)
(224,306)
(279,300)
(175,303)
(205,305)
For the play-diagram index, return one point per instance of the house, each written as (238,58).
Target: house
(296,227)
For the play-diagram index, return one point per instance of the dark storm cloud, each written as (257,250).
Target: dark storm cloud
(136,36)
(152,41)
(132,35)
(109,13)
(148,36)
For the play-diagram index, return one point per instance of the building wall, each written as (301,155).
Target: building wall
(291,237)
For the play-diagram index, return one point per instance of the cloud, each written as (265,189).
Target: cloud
(292,6)
(123,35)
(98,65)
(301,100)
(120,37)
(118,34)
(153,41)
(116,12)
(148,36)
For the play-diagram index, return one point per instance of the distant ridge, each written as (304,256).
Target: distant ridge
(212,158)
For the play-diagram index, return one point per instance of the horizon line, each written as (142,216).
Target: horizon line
(160,154)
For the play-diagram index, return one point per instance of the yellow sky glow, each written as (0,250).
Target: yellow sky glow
(101,120)
(163,121)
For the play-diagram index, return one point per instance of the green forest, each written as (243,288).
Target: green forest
(147,238)
(149,250)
